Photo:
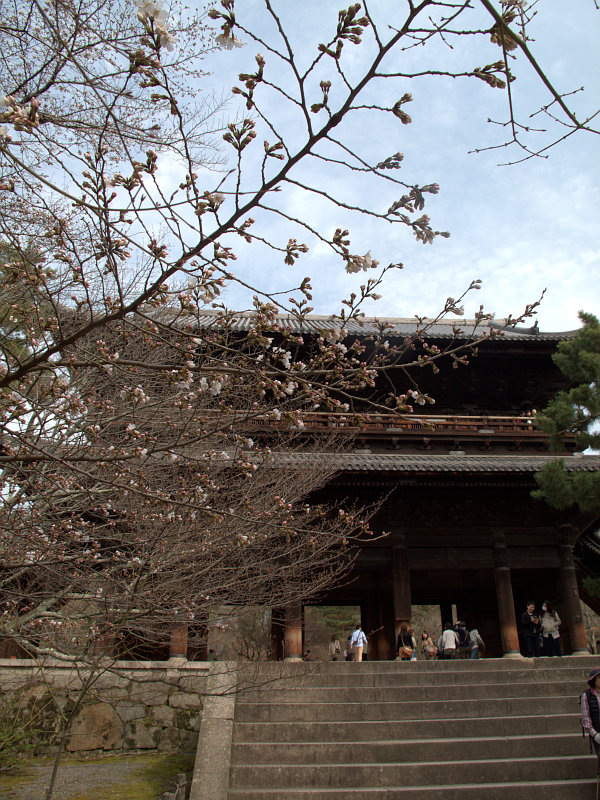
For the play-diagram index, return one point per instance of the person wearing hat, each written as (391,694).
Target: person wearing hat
(590,708)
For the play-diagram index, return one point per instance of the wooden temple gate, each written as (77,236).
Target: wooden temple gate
(463,527)
(467,540)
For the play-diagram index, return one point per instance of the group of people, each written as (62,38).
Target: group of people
(455,641)
(353,651)
(541,630)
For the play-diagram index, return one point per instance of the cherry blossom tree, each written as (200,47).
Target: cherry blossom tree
(155,454)
(135,494)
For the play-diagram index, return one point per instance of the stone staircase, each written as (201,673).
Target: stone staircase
(386,730)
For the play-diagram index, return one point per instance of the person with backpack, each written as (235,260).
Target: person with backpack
(590,709)
(462,632)
(550,623)
(477,644)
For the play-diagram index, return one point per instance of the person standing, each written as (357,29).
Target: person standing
(335,649)
(357,641)
(590,709)
(530,627)
(428,647)
(406,644)
(550,623)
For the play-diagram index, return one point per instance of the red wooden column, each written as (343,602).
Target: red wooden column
(504,595)
(178,641)
(292,637)
(401,584)
(569,591)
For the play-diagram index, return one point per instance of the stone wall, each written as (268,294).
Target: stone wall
(131,706)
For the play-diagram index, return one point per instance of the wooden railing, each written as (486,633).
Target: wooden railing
(404,423)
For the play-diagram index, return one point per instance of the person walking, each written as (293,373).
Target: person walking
(348,649)
(464,646)
(550,623)
(357,641)
(449,641)
(477,644)
(335,649)
(530,627)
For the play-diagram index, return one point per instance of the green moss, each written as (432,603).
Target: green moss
(150,778)
(14,778)
(150,775)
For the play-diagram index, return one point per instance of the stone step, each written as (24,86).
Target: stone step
(402,677)
(407,750)
(274,669)
(348,731)
(431,730)
(440,710)
(395,694)
(577,789)
(317,776)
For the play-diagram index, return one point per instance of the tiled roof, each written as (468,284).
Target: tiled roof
(370,462)
(449,329)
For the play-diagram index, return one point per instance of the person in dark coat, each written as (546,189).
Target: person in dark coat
(406,644)
(530,628)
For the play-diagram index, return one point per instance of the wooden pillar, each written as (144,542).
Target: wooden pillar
(293,632)
(385,646)
(178,641)
(277,632)
(401,584)
(504,595)
(571,605)
(371,618)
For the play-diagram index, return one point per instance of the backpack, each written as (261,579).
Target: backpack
(463,637)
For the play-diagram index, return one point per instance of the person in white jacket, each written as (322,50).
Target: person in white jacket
(357,641)
(448,642)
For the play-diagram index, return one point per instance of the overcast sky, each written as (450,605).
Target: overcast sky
(518,228)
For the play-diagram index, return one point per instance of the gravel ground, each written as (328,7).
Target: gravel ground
(110,778)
